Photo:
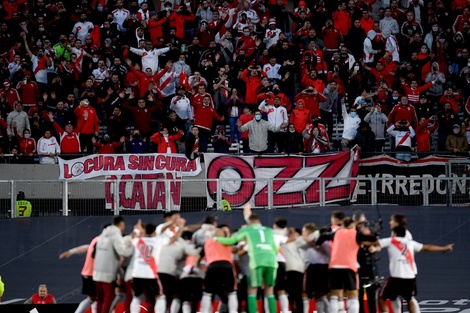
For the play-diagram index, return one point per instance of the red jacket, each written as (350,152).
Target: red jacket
(142,117)
(155,29)
(403,113)
(91,125)
(454,100)
(144,81)
(177,21)
(12,95)
(342,21)
(69,142)
(413,94)
(203,116)
(311,102)
(252,84)
(36,299)
(27,145)
(107,148)
(29,92)
(300,119)
(423,134)
(163,144)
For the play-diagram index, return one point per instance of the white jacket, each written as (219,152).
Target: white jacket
(276,116)
(350,125)
(150,58)
(400,134)
(369,52)
(47,146)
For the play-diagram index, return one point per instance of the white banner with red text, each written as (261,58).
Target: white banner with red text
(295,179)
(146,192)
(118,164)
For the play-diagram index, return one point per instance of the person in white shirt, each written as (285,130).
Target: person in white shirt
(120,15)
(101,72)
(351,123)
(271,69)
(149,56)
(403,132)
(48,148)
(80,52)
(250,13)
(41,64)
(280,238)
(272,34)
(402,266)
(144,271)
(277,116)
(181,105)
(82,28)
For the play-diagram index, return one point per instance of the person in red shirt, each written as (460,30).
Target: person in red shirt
(311,79)
(424,132)
(26,145)
(245,118)
(178,17)
(452,98)
(403,111)
(11,94)
(28,90)
(342,19)
(144,79)
(300,116)
(204,114)
(252,79)
(246,43)
(166,143)
(331,36)
(69,140)
(88,123)
(142,113)
(155,29)
(311,99)
(42,297)
(367,22)
(106,146)
(413,91)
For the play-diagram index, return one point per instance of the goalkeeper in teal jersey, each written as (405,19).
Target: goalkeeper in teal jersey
(262,252)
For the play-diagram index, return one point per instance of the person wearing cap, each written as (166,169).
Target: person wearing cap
(272,34)
(88,124)
(181,105)
(457,141)
(11,94)
(391,45)
(69,140)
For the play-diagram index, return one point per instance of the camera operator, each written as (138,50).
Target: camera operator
(368,271)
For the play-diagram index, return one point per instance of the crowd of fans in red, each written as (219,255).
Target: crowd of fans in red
(164,76)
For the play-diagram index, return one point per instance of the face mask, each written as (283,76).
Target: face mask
(315,133)
(356,68)
(292,131)
(424,50)
(376,112)
(27,136)
(181,62)
(106,139)
(136,136)
(441,40)
(258,118)
(265,83)
(448,110)
(353,114)
(95,60)
(275,91)
(404,102)
(456,131)
(41,29)
(395,98)
(435,28)
(100,8)
(246,34)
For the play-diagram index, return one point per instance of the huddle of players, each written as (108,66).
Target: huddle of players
(177,269)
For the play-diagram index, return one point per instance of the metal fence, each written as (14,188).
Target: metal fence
(108,197)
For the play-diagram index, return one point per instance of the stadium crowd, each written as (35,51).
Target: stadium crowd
(163,76)
(176,266)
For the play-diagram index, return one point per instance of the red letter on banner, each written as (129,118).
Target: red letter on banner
(247,187)
(289,167)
